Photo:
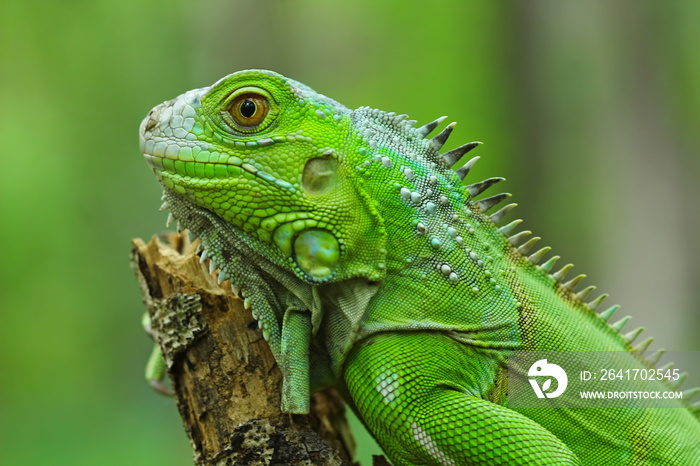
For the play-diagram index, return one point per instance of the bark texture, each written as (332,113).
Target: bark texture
(226,382)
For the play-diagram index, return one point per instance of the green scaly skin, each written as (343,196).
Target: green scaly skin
(371,268)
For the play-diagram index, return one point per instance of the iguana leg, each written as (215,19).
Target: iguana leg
(155,371)
(155,367)
(421,396)
(296,339)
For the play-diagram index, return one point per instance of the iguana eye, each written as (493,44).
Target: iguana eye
(249,110)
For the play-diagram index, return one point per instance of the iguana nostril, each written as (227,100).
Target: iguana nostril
(151,122)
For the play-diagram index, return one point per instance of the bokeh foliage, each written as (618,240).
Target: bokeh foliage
(590,109)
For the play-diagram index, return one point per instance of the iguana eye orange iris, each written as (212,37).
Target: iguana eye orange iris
(249,110)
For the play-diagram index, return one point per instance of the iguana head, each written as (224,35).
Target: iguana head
(306,205)
(269,157)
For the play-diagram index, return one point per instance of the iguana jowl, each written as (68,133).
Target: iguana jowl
(371,268)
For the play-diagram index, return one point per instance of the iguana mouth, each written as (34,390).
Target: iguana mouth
(192,164)
(193,169)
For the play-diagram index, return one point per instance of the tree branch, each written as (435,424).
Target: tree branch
(227,384)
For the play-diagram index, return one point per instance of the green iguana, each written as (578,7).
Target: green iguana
(371,268)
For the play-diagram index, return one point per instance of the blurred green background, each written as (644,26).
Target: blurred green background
(590,109)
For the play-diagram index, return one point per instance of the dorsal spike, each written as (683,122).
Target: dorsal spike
(221,278)
(236,290)
(573,283)
(537,257)
(583,294)
(643,346)
(428,128)
(525,248)
(667,366)
(438,141)
(654,358)
(170,220)
(498,216)
(463,171)
(488,203)
(164,206)
(505,229)
(690,393)
(681,379)
(606,315)
(199,249)
(455,155)
(212,266)
(593,305)
(631,336)
(559,276)
(620,324)
(547,266)
(518,237)
(478,188)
